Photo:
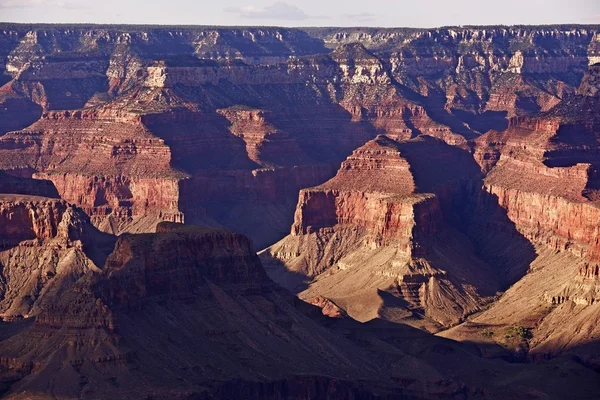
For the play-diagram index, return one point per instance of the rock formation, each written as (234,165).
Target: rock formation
(469,183)
(179,103)
(46,245)
(374,238)
(189,312)
(543,174)
(224,328)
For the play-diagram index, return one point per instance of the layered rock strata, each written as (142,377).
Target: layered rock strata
(374,238)
(543,173)
(201,283)
(173,103)
(226,330)
(46,245)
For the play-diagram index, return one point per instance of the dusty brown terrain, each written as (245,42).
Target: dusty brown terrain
(189,312)
(433,196)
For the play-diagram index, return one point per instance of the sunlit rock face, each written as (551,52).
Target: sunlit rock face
(441,179)
(439,129)
(154,114)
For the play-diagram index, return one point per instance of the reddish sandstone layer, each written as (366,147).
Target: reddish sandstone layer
(104,162)
(544,177)
(162,105)
(370,233)
(240,333)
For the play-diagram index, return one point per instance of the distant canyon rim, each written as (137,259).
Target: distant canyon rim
(262,212)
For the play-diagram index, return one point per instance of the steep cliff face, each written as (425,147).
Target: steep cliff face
(107,164)
(218,312)
(258,111)
(543,173)
(477,69)
(189,312)
(488,165)
(46,245)
(375,242)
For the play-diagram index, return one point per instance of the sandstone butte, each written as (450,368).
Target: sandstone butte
(425,204)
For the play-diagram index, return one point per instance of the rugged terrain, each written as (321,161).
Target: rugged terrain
(443,180)
(189,312)
(138,125)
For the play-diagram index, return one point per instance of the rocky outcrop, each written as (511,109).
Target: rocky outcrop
(480,68)
(45,246)
(543,175)
(189,311)
(488,162)
(184,259)
(378,225)
(29,218)
(135,121)
(26,186)
(219,313)
(590,85)
(123,172)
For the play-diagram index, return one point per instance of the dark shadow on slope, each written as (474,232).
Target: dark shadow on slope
(14,230)
(265,221)
(97,245)
(495,236)
(73,94)
(528,105)
(326,133)
(322,128)
(17,114)
(456,178)
(200,141)
(481,365)
(27,186)
(293,281)
(587,354)
(435,107)
(435,164)
(222,180)
(484,122)
(4,79)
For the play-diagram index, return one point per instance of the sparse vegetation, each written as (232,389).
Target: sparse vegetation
(519,332)
(487,333)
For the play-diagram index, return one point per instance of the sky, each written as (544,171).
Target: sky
(381,13)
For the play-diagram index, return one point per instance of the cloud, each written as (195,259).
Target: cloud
(37,3)
(362,17)
(279,11)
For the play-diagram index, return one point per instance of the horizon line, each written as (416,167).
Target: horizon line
(188,26)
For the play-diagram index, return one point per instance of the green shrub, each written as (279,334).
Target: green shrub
(486,332)
(523,333)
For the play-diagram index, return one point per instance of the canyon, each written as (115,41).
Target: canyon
(210,212)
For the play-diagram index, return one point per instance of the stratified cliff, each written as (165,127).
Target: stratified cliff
(223,126)
(189,312)
(374,239)
(471,160)
(45,246)
(543,173)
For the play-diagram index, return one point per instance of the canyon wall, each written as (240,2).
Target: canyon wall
(469,151)
(374,240)
(130,123)
(45,246)
(543,175)
(217,309)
